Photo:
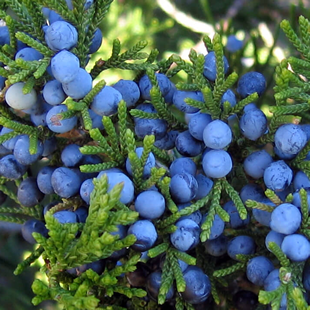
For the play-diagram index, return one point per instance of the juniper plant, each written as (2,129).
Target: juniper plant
(68,246)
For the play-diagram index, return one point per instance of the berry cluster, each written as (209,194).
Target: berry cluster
(120,188)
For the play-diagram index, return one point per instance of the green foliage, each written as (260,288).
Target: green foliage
(64,251)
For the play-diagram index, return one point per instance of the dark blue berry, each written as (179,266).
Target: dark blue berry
(32,226)
(146,235)
(183,187)
(198,285)
(186,145)
(250,83)
(186,237)
(66,183)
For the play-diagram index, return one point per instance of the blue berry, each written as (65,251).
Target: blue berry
(4,151)
(150,205)
(121,232)
(210,69)
(10,168)
(49,146)
(20,45)
(127,193)
(97,266)
(297,201)
(145,107)
(182,164)
(38,107)
(91,160)
(86,189)
(278,176)
(38,117)
(150,163)
(169,96)
(96,120)
(253,124)
(71,155)
(145,85)
(198,285)
(81,214)
(168,141)
(216,164)
(182,265)
(197,124)
(16,99)
(96,41)
(290,139)
(65,217)
(258,268)
(129,91)
(306,129)
(217,135)
(143,127)
(204,186)
(58,125)
(28,54)
(9,144)
(217,227)
(282,155)
(146,235)
(256,163)
(274,236)
(183,187)
(186,145)
(285,219)
(188,116)
(216,247)
(272,282)
(108,171)
(106,101)
(54,17)
(153,284)
(80,86)
(233,44)
(300,180)
(251,191)
(4,35)
(250,106)
(296,247)
(180,95)
(66,183)
(61,35)
(240,245)
(44,179)
(230,97)
(65,66)
(146,127)
(235,220)
(250,83)
(32,226)
(195,216)
(21,151)
(28,193)
(2,82)
(186,237)
(261,216)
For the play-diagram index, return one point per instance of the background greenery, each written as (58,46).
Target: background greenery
(171,27)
